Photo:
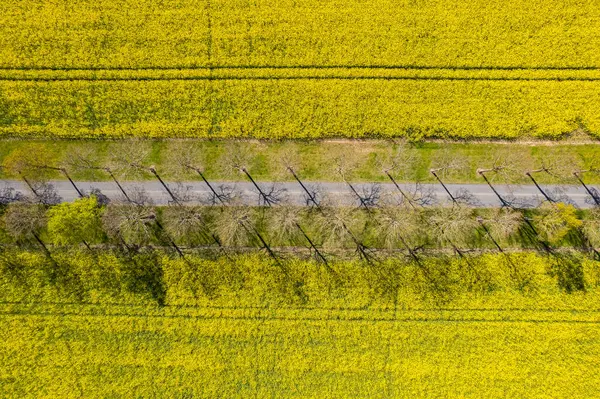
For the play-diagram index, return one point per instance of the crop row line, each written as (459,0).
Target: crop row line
(296,308)
(211,78)
(358,66)
(286,318)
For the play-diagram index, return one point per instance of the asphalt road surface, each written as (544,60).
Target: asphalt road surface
(197,192)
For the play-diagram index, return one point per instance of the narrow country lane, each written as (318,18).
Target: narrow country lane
(525,195)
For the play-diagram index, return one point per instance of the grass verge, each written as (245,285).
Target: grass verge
(316,158)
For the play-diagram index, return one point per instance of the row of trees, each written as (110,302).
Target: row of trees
(404,223)
(427,238)
(132,160)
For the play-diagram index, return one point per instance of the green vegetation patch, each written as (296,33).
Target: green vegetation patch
(313,159)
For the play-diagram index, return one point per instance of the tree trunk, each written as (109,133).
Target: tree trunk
(168,190)
(64,171)
(502,200)
(260,191)
(540,188)
(118,184)
(310,195)
(445,188)
(400,190)
(591,194)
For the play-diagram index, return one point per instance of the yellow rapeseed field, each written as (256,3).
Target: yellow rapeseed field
(176,33)
(95,333)
(140,352)
(279,109)
(298,69)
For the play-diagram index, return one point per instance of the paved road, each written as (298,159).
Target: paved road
(482,194)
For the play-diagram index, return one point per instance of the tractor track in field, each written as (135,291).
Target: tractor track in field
(271,78)
(301,66)
(271,315)
(301,72)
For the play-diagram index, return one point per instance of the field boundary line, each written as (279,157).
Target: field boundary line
(292,308)
(304,66)
(308,73)
(271,78)
(307,319)
(310,315)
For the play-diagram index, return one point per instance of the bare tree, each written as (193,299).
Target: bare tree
(400,226)
(237,160)
(454,225)
(235,227)
(285,221)
(502,224)
(507,164)
(560,168)
(131,222)
(399,161)
(291,162)
(505,222)
(23,221)
(344,164)
(184,223)
(137,221)
(446,164)
(579,173)
(22,163)
(34,164)
(85,158)
(335,223)
(184,157)
(396,164)
(130,159)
